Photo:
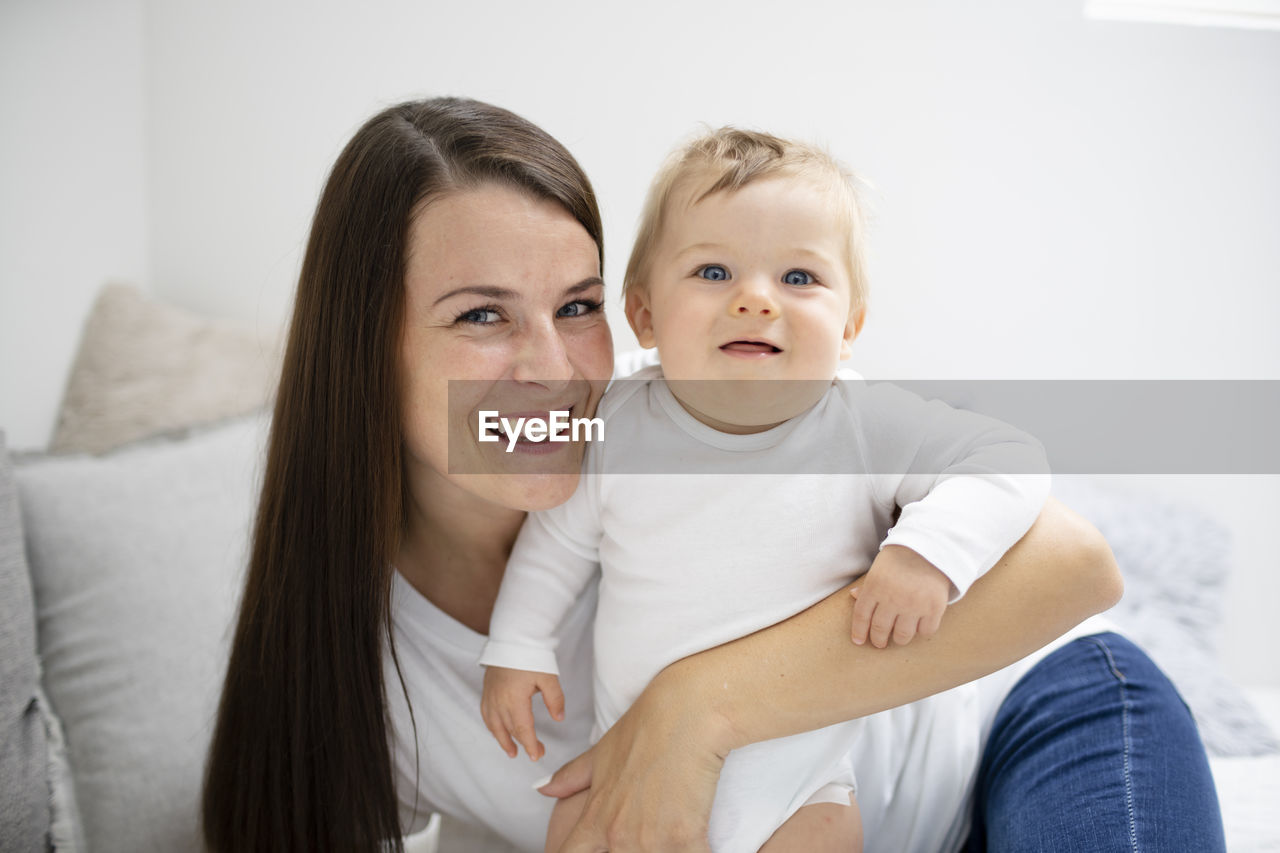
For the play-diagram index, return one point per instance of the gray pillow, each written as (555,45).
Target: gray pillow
(136,561)
(1175,561)
(24,779)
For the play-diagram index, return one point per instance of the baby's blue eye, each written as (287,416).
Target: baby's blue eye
(714,272)
(797,277)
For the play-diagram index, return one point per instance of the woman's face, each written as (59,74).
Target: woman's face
(503,313)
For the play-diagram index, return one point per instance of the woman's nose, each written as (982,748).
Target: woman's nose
(543,359)
(754,297)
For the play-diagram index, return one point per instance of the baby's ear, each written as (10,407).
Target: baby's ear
(851,330)
(640,317)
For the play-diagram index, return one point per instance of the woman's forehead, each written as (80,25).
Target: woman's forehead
(503,236)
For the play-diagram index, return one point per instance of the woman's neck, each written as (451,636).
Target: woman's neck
(454,551)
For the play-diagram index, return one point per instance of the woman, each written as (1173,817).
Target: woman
(455,241)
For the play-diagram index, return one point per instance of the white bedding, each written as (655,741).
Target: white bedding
(1249,788)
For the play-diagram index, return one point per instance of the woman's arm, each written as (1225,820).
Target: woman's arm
(653,775)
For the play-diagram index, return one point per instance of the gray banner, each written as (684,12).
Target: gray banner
(1085,426)
(1182,426)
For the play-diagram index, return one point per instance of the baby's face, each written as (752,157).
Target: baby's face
(749,284)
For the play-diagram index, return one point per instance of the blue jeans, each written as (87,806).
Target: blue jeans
(1094,750)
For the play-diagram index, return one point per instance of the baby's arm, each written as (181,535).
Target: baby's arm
(968,487)
(551,563)
(507,710)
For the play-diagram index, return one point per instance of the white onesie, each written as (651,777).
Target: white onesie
(692,560)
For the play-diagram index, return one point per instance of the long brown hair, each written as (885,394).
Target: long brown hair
(300,759)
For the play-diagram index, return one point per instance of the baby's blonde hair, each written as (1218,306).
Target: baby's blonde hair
(729,159)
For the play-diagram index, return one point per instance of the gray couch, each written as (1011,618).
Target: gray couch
(24,742)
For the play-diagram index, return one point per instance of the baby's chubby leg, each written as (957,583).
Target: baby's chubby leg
(824,827)
(563,816)
(819,828)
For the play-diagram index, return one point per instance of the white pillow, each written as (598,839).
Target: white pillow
(136,563)
(145,368)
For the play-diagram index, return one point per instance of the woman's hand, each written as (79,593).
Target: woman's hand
(652,776)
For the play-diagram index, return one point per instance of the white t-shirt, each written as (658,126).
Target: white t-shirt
(754,529)
(457,768)
(913,785)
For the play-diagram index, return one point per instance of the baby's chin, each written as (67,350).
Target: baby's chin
(747,406)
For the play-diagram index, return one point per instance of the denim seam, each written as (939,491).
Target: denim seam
(1111,661)
(1124,725)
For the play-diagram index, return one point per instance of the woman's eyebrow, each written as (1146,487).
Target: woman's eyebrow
(490,291)
(585,284)
(486,290)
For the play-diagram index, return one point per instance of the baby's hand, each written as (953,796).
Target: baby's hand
(508,710)
(902,595)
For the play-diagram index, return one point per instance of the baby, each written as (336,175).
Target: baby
(716,507)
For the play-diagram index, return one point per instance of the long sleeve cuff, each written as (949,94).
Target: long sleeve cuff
(518,656)
(960,569)
(960,542)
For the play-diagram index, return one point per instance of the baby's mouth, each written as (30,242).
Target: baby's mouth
(750,347)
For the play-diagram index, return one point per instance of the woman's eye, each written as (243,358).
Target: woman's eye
(579,308)
(479,317)
(797,277)
(713,272)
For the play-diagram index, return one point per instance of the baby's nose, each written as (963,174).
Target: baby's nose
(754,298)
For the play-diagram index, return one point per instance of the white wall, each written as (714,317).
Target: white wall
(1098,198)
(73,195)
(1057,198)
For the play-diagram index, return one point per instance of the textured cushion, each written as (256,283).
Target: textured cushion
(136,561)
(24,780)
(1175,561)
(144,368)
